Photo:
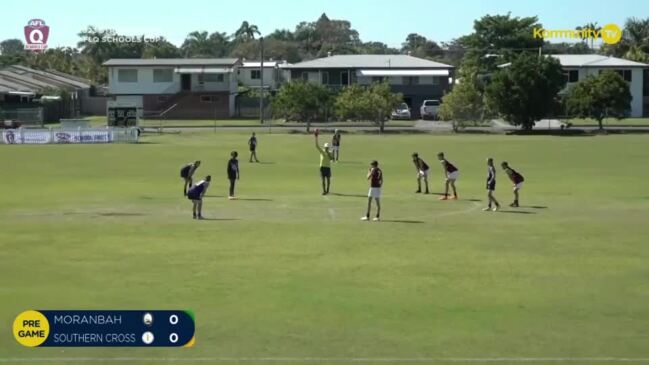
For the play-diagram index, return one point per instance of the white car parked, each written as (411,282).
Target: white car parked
(429,109)
(401,112)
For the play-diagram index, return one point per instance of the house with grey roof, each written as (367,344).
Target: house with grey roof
(577,67)
(175,88)
(416,78)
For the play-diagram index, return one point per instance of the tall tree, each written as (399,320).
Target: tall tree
(160,49)
(585,36)
(11,47)
(303,101)
(526,91)
(598,97)
(197,44)
(246,32)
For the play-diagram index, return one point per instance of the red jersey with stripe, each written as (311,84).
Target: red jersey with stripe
(449,166)
(376,177)
(514,176)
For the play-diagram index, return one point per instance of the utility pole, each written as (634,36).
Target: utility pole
(261,82)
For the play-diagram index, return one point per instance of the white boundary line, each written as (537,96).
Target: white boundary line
(335,359)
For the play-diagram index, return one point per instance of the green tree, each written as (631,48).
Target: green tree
(634,44)
(302,101)
(11,47)
(463,104)
(160,49)
(246,32)
(598,97)
(419,46)
(197,44)
(374,103)
(587,27)
(526,90)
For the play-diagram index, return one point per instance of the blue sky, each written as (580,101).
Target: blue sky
(388,21)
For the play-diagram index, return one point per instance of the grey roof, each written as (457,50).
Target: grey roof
(172,62)
(24,80)
(370,61)
(594,60)
(58,79)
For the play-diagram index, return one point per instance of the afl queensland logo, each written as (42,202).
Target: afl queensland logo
(36,33)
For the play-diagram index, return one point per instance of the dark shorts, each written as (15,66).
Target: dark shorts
(252,149)
(184,174)
(193,196)
(325,171)
(491,186)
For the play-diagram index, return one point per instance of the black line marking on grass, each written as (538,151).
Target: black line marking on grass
(350,195)
(119,214)
(515,211)
(474,200)
(401,221)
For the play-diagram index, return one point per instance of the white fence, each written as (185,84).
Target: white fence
(66,135)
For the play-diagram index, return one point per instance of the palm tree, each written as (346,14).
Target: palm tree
(220,43)
(586,37)
(246,32)
(197,44)
(635,39)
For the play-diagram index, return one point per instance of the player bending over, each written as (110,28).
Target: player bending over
(451,174)
(186,172)
(233,172)
(252,143)
(335,143)
(325,165)
(375,176)
(195,194)
(516,178)
(422,172)
(491,186)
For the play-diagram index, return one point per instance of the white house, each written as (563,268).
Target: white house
(250,74)
(177,88)
(578,67)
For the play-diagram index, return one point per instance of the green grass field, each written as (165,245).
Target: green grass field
(285,275)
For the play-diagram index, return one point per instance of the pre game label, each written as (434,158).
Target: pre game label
(105,328)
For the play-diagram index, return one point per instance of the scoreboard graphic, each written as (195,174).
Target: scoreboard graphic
(105,328)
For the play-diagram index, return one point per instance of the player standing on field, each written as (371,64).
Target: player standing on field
(375,176)
(233,172)
(422,171)
(186,172)
(335,142)
(516,178)
(252,143)
(491,185)
(325,164)
(195,194)
(451,174)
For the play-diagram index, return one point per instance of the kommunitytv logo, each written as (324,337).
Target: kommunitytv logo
(36,34)
(609,34)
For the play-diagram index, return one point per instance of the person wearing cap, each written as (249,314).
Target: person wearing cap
(325,165)
(195,194)
(335,143)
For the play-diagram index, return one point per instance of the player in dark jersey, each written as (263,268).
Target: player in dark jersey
(516,178)
(491,186)
(422,171)
(252,143)
(233,172)
(375,176)
(186,172)
(335,145)
(451,173)
(195,194)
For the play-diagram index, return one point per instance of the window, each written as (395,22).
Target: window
(213,77)
(305,76)
(626,74)
(255,74)
(411,80)
(325,77)
(127,75)
(571,75)
(163,75)
(377,79)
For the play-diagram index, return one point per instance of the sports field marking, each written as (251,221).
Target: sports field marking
(473,207)
(332,213)
(338,359)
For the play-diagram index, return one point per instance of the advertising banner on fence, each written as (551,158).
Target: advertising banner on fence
(42,136)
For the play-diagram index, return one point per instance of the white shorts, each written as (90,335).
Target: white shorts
(453,175)
(335,148)
(519,185)
(424,173)
(374,193)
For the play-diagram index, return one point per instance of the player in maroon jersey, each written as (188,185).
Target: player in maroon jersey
(422,171)
(451,173)
(375,176)
(516,178)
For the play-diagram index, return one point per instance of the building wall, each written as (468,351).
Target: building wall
(146,85)
(270,76)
